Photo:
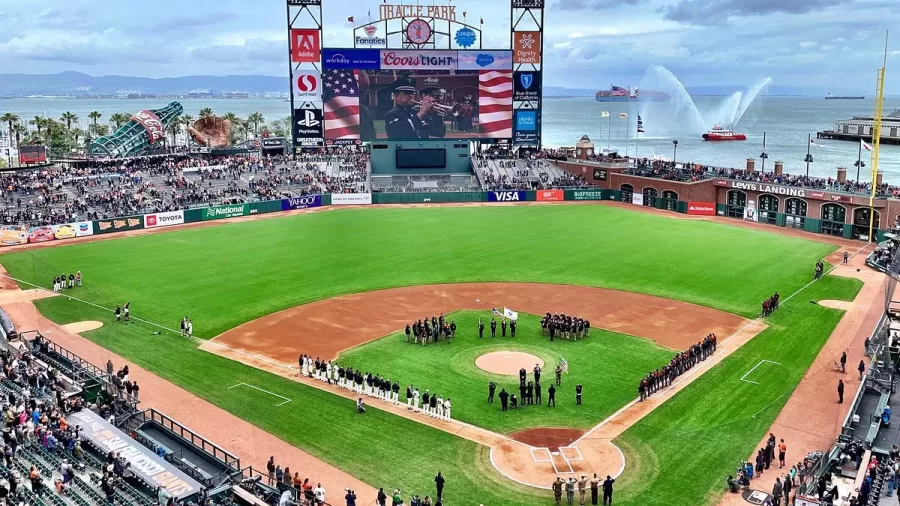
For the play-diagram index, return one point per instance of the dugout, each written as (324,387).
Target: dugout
(7,325)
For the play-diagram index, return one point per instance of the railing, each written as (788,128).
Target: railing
(198,442)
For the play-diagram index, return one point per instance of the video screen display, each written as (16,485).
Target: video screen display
(421,158)
(371,94)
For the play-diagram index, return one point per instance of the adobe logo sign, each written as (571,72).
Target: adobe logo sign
(308,86)
(306,47)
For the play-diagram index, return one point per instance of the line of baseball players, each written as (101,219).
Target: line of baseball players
(374,385)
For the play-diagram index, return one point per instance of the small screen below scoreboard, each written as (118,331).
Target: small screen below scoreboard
(421,158)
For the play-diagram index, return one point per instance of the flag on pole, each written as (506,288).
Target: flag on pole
(623,115)
(350,19)
(604,114)
(496,312)
(510,314)
(816,144)
(640,125)
(563,365)
(865,146)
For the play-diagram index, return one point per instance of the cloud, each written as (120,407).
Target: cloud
(714,11)
(806,44)
(251,51)
(578,5)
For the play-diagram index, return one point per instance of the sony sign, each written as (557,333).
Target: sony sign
(768,188)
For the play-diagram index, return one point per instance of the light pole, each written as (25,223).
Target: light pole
(809,157)
(764,155)
(674,152)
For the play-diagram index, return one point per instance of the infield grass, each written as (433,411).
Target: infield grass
(225,275)
(608,365)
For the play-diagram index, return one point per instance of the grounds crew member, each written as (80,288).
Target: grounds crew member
(491,387)
(512,328)
(537,393)
(504,398)
(403,122)
(493,327)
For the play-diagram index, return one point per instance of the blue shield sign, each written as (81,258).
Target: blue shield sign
(526,79)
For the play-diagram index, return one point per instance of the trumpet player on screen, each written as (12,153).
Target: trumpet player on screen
(411,120)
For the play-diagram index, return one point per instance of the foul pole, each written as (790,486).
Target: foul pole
(876,135)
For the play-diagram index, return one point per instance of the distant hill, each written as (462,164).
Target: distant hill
(78,84)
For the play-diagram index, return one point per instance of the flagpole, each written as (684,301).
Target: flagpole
(627,134)
(618,137)
(808,145)
(608,130)
(859,161)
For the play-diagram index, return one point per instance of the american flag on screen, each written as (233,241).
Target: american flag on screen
(341,97)
(495,90)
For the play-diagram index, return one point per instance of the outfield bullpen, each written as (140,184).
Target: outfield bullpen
(231,274)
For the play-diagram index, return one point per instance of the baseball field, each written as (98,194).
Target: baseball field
(341,283)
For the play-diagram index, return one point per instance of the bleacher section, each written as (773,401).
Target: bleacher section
(73,452)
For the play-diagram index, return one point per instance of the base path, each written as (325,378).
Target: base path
(352,320)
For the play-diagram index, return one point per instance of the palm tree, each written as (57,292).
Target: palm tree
(119,118)
(38,123)
(255,118)
(206,112)
(78,134)
(100,130)
(69,118)
(9,118)
(235,124)
(174,129)
(94,116)
(19,130)
(187,120)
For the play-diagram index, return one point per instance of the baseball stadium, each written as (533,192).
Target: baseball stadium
(412,301)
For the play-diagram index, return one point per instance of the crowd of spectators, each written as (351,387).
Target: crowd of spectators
(101,189)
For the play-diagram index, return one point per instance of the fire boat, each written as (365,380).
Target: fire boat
(723,134)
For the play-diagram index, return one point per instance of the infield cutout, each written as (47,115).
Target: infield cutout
(761,362)
(286,400)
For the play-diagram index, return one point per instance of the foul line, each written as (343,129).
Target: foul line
(761,362)
(209,342)
(624,408)
(286,400)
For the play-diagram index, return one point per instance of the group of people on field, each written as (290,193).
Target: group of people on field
(430,329)
(64,281)
(770,305)
(680,364)
(564,326)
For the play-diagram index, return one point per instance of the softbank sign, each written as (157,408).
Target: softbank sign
(163,219)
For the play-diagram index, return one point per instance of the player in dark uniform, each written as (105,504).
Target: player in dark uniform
(551,396)
(512,328)
(491,387)
(537,393)
(503,328)
(404,122)
(578,390)
(493,327)
(480,329)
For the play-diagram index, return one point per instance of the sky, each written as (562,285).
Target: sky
(588,43)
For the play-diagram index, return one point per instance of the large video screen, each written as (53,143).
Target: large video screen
(371,94)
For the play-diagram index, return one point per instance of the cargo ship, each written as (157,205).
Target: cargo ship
(723,134)
(620,94)
(844,97)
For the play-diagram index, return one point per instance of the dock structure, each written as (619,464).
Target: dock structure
(860,128)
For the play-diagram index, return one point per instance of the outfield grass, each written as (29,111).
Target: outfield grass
(228,274)
(608,365)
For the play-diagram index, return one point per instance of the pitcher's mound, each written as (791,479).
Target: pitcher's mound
(507,362)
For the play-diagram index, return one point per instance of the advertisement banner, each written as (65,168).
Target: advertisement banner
(600,174)
(10,235)
(527,127)
(347,59)
(83,228)
(308,127)
(40,234)
(349,199)
(510,196)
(150,121)
(145,464)
(219,212)
(527,48)
(303,202)
(306,47)
(417,60)
(32,153)
(550,196)
(118,224)
(750,210)
(637,199)
(586,195)
(527,86)
(307,86)
(163,219)
(533,4)
(484,60)
(702,208)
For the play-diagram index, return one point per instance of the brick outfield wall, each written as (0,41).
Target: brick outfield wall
(707,191)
